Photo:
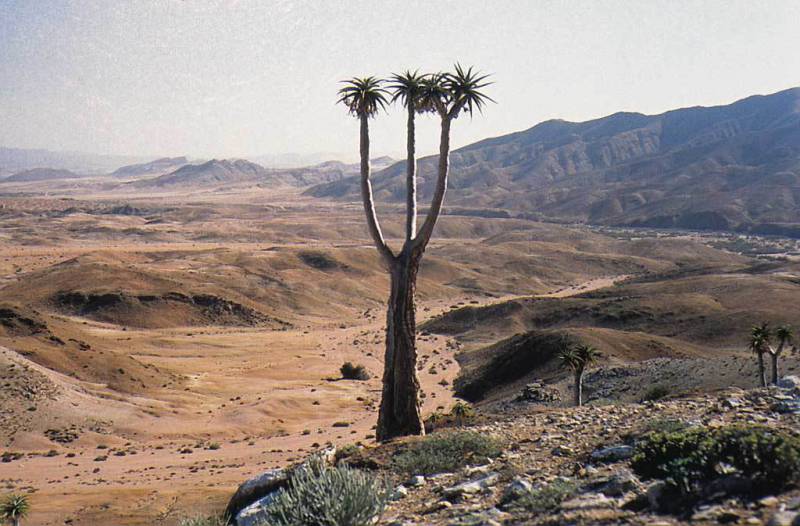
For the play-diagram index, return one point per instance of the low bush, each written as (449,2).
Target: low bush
(445,452)
(354,372)
(704,463)
(656,392)
(664,425)
(546,498)
(460,414)
(319,495)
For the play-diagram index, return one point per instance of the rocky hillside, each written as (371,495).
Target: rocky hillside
(724,167)
(695,460)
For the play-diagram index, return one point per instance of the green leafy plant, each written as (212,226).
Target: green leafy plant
(319,495)
(753,460)
(445,452)
(354,372)
(14,508)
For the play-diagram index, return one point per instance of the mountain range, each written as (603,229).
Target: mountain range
(218,172)
(733,167)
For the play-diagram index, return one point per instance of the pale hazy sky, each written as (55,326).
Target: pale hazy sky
(239,78)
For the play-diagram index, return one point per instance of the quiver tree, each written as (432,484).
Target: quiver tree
(448,95)
(759,343)
(577,358)
(14,508)
(784,335)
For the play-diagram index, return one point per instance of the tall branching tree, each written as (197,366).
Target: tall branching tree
(760,336)
(447,95)
(578,358)
(784,334)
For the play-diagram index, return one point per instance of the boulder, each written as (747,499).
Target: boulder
(790,382)
(255,489)
(618,484)
(253,515)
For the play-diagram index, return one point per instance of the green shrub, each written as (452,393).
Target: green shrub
(664,425)
(353,372)
(318,495)
(445,452)
(694,462)
(546,498)
(210,520)
(656,392)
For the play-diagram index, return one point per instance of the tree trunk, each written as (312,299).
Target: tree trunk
(411,176)
(400,406)
(762,371)
(579,389)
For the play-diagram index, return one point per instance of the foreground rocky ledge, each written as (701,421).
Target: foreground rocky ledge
(588,449)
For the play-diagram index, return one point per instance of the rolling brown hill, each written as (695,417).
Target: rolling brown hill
(733,167)
(151,168)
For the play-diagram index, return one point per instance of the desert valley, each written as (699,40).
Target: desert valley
(374,263)
(170,328)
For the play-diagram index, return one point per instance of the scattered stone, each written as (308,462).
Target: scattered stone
(791,383)
(416,481)
(787,407)
(588,501)
(399,492)
(613,453)
(538,393)
(518,488)
(618,484)
(470,488)
(784,518)
(563,451)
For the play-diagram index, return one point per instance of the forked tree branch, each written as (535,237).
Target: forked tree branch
(425,233)
(366,195)
(411,175)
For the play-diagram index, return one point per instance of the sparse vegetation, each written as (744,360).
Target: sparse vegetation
(657,392)
(664,425)
(14,508)
(354,372)
(546,498)
(318,495)
(703,462)
(445,452)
